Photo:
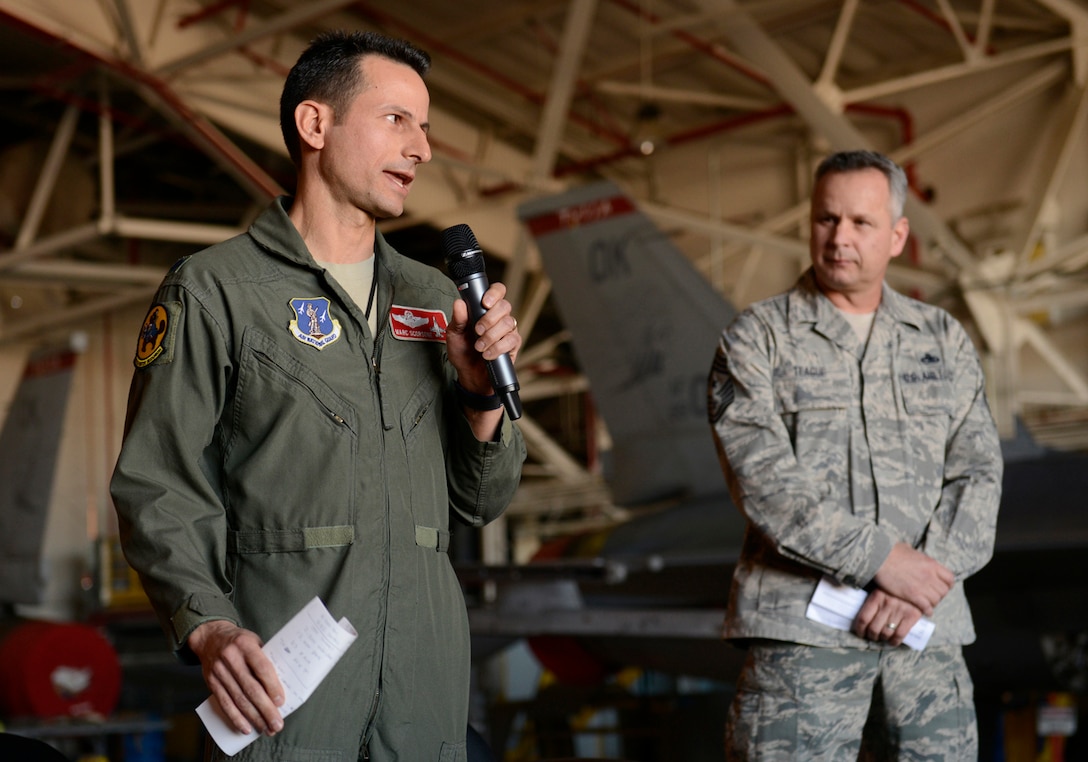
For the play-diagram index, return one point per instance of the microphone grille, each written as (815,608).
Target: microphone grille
(463,255)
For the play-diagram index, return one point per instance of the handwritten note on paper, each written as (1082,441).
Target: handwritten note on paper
(838,605)
(303,652)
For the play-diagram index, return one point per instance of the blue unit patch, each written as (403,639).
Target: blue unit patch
(313,324)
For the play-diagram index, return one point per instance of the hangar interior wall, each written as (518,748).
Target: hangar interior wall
(80,513)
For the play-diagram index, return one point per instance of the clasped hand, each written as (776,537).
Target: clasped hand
(910,584)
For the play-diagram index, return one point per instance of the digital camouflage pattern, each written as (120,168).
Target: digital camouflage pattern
(813,703)
(834,451)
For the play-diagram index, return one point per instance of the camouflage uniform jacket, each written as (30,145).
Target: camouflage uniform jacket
(275,449)
(835,451)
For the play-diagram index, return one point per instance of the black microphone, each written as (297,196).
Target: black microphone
(465,262)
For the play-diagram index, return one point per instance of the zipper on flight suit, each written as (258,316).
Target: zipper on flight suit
(388,417)
(364,753)
(375,361)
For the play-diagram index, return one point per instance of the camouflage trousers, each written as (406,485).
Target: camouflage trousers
(797,702)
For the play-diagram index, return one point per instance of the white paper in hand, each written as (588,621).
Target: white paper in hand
(303,652)
(838,605)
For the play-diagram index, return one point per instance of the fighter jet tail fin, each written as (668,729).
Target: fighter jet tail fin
(645,325)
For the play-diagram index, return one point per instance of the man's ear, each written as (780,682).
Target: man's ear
(312,119)
(900,233)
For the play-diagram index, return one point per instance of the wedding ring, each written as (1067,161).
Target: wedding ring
(892,625)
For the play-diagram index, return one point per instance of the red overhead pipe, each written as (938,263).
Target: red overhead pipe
(725,125)
(906,127)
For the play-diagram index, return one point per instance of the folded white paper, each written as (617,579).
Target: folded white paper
(303,652)
(838,605)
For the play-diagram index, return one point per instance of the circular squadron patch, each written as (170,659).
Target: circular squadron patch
(155,342)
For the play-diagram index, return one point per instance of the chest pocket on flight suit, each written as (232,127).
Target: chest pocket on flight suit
(293,445)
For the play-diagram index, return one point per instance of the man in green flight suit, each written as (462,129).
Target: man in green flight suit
(308,407)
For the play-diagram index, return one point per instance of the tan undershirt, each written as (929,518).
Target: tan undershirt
(862,323)
(356,278)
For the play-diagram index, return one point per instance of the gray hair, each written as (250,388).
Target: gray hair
(852,161)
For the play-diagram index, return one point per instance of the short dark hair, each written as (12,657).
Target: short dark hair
(328,71)
(852,161)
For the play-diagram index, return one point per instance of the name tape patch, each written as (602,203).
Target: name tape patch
(417,324)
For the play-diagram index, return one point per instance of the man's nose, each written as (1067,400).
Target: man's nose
(420,148)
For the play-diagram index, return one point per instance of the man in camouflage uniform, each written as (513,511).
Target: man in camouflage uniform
(854,433)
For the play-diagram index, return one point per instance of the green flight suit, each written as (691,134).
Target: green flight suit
(276,450)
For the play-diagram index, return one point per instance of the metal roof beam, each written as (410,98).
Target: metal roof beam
(47,180)
(561,91)
(955,71)
(1025,88)
(1069,132)
(751,41)
(1077,15)
(299,14)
